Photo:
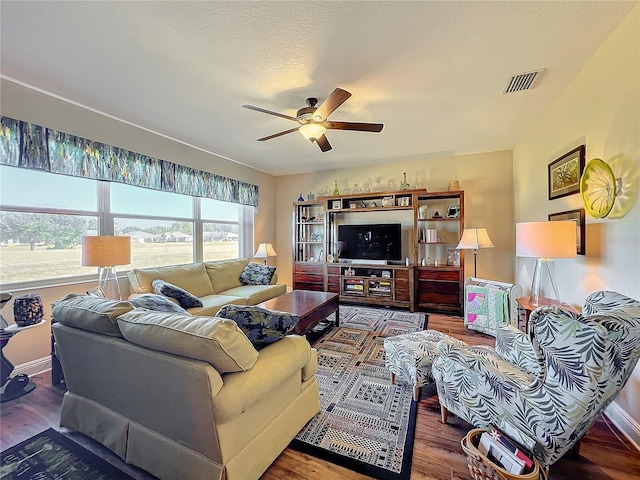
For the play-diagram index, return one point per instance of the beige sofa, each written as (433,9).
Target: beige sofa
(181,396)
(215,283)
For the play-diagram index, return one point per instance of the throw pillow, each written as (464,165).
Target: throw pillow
(158,303)
(261,326)
(185,299)
(257,274)
(216,341)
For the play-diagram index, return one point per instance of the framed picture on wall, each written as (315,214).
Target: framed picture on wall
(577,216)
(564,173)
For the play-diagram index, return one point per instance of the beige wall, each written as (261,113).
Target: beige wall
(601,109)
(26,104)
(486,179)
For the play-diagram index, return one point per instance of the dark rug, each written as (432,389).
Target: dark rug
(365,423)
(51,455)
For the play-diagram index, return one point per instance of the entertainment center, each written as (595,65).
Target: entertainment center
(382,248)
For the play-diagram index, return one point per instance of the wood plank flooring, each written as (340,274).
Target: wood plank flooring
(605,454)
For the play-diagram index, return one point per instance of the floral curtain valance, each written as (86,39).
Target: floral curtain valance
(26,145)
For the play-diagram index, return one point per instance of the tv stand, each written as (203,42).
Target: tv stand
(373,284)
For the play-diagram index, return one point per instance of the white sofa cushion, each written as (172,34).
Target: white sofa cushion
(91,313)
(216,341)
(193,278)
(225,274)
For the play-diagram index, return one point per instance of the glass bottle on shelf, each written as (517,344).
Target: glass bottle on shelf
(336,192)
(404,185)
(301,198)
(326,192)
(355,188)
(368,188)
(378,185)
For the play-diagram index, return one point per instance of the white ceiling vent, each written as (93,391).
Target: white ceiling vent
(523,81)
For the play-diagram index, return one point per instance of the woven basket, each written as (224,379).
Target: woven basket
(481,468)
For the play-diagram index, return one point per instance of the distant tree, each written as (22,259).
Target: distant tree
(182,227)
(62,231)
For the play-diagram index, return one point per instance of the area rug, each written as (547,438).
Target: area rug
(51,455)
(365,423)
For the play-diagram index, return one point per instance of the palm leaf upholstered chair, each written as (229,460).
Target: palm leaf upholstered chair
(551,383)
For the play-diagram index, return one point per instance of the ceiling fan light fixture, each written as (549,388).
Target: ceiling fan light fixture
(312,131)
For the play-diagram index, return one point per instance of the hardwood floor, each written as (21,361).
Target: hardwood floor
(605,453)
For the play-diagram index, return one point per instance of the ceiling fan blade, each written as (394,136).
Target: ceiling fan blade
(337,98)
(270,112)
(361,127)
(323,143)
(278,134)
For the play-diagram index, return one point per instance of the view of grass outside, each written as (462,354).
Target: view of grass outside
(19,263)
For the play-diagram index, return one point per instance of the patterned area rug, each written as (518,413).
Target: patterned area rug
(51,455)
(365,423)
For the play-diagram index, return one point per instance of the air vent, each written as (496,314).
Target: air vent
(522,81)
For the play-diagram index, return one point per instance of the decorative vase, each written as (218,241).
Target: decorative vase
(336,192)
(404,185)
(301,198)
(27,309)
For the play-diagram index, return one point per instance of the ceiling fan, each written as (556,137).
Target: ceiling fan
(313,120)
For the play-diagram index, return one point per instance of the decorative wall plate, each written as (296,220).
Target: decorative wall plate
(598,188)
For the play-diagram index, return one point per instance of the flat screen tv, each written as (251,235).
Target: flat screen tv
(370,242)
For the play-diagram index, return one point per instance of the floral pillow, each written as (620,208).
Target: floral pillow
(261,326)
(257,274)
(184,298)
(158,303)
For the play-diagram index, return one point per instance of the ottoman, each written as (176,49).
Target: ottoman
(409,357)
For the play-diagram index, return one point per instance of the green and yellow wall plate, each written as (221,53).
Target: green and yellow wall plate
(598,188)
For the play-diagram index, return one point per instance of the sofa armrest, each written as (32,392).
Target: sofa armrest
(276,363)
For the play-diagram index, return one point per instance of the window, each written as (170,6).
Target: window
(41,226)
(41,229)
(220,230)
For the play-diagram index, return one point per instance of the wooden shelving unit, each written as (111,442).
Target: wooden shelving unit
(422,284)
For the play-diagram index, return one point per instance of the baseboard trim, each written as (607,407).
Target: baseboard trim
(33,367)
(625,423)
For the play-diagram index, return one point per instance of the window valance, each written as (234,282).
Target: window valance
(26,145)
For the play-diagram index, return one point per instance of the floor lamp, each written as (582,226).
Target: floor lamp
(107,252)
(474,238)
(265,250)
(545,241)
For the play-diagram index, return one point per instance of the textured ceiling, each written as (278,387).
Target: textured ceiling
(432,72)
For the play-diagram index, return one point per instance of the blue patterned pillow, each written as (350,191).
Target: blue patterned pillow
(257,274)
(156,302)
(261,326)
(185,299)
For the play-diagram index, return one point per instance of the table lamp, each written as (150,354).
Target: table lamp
(265,250)
(545,241)
(106,252)
(474,238)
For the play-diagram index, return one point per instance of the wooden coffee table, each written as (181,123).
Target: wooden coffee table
(311,307)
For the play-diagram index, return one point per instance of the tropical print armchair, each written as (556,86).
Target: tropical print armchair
(550,384)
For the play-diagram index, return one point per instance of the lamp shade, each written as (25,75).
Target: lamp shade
(265,250)
(312,131)
(473,238)
(546,239)
(105,251)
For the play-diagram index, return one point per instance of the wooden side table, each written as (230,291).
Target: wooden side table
(526,306)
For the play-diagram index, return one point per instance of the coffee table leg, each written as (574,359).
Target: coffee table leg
(338,316)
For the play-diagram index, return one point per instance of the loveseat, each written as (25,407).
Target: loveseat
(215,283)
(181,396)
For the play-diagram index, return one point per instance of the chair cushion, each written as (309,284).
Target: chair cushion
(91,313)
(159,303)
(185,299)
(214,340)
(260,325)
(257,274)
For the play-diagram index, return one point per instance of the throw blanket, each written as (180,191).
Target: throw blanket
(485,308)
